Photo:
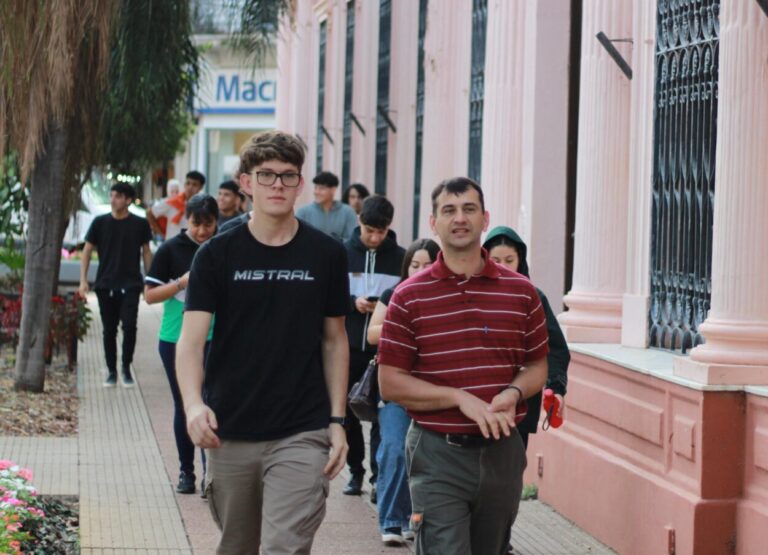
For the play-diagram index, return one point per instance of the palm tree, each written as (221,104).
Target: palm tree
(53,63)
(84,83)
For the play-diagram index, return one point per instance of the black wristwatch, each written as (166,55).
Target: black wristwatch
(338,420)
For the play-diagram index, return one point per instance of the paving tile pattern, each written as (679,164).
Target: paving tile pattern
(52,459)
(126,501)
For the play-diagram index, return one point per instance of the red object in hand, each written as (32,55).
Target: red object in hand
(551,406)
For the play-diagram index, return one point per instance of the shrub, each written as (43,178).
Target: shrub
(18,506)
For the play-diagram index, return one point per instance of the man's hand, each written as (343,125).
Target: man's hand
(339,448)
(363,305)
(201,426)
(491,423)
(83,289)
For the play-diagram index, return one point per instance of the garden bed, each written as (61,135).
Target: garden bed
(52,413)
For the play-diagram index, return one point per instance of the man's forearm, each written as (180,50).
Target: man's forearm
(147,254)
(399,386)
(336,371)
(532,378)
(85,262)
(189,370)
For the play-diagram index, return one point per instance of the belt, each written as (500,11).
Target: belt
(467,440)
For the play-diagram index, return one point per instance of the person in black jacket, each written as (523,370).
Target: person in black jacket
(374,261)
(506,247)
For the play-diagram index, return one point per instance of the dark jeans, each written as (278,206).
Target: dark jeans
(358,362)
(118,306)
(184,445)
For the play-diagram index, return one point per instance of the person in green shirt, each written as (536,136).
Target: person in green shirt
(166,282)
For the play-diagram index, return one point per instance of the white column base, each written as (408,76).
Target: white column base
(592,318)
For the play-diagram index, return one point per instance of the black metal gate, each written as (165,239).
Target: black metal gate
(382,96)
(346,146)
(419,117)
(477,87)
(321,95)
(683,170)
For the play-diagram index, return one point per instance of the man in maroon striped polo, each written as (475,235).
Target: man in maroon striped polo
(464,344)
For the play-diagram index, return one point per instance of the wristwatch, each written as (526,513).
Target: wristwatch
(338,420)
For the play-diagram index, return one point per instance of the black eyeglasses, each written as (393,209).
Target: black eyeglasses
(288,179)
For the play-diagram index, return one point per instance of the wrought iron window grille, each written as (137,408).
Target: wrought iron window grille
(683,197)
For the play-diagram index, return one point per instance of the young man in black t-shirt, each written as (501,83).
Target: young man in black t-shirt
(275,381)
(118,237)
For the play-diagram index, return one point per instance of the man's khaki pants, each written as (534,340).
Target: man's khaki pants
(269,493)
(465,499)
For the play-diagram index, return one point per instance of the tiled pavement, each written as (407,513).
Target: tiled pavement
(123,465)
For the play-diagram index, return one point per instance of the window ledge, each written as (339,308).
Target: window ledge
(655,363)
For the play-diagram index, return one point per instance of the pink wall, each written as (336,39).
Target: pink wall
(752,512)
(639,456)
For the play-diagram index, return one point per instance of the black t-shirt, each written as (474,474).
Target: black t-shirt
(264,373)
(386,296)
(119,243)
(172,260)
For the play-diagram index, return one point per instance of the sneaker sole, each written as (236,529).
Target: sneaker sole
(127,385)
(392,540)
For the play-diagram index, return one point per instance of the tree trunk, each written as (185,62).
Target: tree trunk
(42,251)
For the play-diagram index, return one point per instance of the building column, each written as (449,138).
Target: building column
(635,303)
(599,271)
(736,330)
(362,166)
(503,110)
(447,63)
(401,157)
(542,206)
(336,46)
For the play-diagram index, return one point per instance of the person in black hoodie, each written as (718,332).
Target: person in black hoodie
(506,247)
(374,261)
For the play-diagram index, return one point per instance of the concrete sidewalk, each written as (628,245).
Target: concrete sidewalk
(123,465)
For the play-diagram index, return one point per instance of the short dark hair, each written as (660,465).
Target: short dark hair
(124,189)
(456,186)
(377,212)
(428,245)
(202,207)
(197,176)
(230,185)
(326,178)
(271,145)
(361,189)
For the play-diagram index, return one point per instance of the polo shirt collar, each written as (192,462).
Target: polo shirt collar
(439,270)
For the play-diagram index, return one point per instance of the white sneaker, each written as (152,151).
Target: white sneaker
(392,537)
(409,535)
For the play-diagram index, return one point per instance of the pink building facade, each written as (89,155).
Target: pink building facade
(661,451)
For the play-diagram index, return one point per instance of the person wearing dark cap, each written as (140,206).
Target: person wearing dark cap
(327,214)
(228,200)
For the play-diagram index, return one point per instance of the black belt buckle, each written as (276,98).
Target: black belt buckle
(466,440)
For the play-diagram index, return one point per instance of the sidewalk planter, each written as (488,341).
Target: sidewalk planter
(70,318)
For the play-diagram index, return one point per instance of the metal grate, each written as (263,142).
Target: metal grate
(321,96)
(346,145)
(382,96)
(685,132)
(423,4)
(477,87)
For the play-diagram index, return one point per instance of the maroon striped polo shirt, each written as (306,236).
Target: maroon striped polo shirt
(472,334)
